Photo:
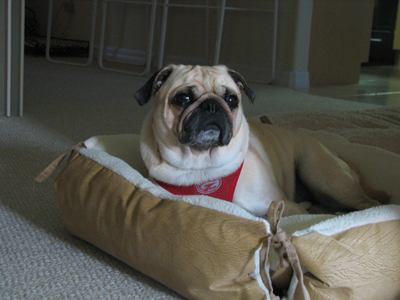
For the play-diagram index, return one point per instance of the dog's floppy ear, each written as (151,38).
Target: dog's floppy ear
(144,94)
(242,84)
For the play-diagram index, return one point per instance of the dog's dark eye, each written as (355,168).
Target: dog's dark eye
(182,99)
(232,101)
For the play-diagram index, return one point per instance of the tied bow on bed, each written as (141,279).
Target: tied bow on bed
(288,259)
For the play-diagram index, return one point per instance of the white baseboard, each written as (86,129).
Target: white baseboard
(129,56)
(292,79)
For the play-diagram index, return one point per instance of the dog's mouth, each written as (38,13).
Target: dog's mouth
(203,129)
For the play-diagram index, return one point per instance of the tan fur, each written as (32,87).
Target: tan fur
(271,154)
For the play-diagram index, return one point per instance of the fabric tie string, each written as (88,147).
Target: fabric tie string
(50,169)
(282,245)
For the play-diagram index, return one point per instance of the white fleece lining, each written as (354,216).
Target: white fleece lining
(354,219)
(256,274)
(292,288)
(324,224)
(121,168)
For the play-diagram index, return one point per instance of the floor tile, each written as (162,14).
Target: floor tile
(378,85)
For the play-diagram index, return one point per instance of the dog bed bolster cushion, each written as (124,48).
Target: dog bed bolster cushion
(205,248)
(354,264)
(199,252)
(353,256)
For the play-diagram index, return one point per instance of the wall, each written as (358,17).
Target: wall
(396,42)
(246,42)
(65,24)
(293,43)
(340,39)
(40,7)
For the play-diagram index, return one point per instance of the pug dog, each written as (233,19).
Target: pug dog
(196,140)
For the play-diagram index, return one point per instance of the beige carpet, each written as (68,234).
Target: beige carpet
(39,259)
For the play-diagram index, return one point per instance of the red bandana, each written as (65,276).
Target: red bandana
(222,188)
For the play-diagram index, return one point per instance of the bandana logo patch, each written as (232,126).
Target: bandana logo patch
(209,187)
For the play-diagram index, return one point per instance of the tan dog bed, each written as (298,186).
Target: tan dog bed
(205,248)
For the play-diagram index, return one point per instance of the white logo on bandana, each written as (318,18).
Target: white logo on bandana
(209,187)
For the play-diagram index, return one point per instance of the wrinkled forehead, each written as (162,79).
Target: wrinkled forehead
(208,79)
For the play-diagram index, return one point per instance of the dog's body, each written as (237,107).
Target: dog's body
(197,132)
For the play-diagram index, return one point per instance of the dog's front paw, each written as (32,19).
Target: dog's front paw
(305,204)
(367,203)
(292,208)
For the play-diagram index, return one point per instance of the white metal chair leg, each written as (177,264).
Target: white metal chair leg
(223,8)
(149,44)
(91,42)
(219,32)
(162,35)
(164,28)
(274,42)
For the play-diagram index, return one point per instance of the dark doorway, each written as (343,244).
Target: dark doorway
(383,27)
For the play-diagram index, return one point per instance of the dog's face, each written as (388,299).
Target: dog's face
(196,129)
(201,106)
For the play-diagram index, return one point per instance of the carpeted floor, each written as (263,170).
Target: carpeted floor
(64,105)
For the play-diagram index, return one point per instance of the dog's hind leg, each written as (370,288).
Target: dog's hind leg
(332,181)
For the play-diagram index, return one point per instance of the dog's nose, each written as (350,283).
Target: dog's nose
(210,105)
